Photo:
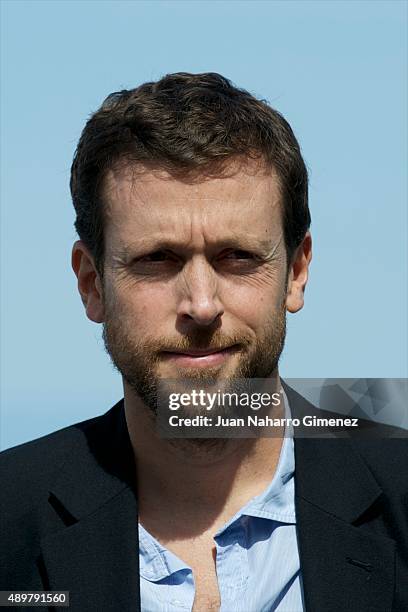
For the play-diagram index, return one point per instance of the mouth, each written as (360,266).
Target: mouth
(200,357)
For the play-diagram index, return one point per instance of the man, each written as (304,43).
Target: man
(192,213)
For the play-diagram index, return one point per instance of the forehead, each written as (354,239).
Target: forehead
(153,203)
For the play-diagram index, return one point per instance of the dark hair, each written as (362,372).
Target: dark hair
(186,124)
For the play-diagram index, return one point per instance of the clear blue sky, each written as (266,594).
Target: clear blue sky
(336,70)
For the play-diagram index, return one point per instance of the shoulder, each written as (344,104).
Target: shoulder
(27,470)
(382,448)
(30,473)
(51,446)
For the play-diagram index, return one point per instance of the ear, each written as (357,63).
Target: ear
(298,274)
(89,282)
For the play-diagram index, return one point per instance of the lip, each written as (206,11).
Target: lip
(200,357)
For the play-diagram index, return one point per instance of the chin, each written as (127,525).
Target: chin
(197,373)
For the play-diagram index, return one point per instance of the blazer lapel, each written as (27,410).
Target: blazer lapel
(97,558)
(95,552)
(345,565)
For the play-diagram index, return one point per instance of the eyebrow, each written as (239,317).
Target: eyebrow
(150,244)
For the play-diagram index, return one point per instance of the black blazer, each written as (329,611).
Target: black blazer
(69,518)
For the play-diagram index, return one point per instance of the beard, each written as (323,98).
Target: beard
(139,361)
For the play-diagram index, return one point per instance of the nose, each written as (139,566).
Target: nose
(199,300)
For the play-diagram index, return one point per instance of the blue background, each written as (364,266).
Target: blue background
(336,70)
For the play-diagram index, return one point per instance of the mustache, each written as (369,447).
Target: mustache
(199,339)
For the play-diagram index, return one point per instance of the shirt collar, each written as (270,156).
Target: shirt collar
(155,561)
(277,503)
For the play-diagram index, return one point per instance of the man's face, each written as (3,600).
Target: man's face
(195,277)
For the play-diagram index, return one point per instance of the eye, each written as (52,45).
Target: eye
(239,254)
(157,256)
(157,262)
(238,261)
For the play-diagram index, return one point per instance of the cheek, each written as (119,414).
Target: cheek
(254,299)
(255,311)
(142,308)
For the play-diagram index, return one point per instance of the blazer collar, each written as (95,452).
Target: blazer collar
(95,555)
(331,474)
(344,566)
(99,463)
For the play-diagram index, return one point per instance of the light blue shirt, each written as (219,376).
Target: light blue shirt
(257,557)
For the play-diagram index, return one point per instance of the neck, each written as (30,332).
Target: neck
(209,479)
